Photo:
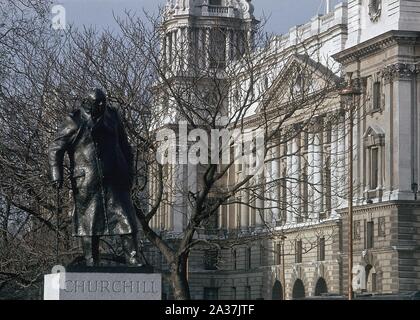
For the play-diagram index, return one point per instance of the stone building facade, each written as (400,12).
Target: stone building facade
(375,44)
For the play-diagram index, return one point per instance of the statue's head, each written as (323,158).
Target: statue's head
(95,102)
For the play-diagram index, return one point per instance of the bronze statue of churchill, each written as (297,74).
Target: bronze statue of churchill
(101,172)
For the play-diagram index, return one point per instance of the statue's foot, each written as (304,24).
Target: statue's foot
(135,262)
(90,262)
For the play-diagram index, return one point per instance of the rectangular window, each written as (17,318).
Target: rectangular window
(321,249)
(234,262)
(262,254)
(211,294)
(217,50)
(376,103)
(374,282)
(210,259)
(298,251)
(374,168)
(278,253)
(248,261)
(369,234)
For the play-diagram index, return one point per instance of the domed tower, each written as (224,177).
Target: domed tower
(203,34)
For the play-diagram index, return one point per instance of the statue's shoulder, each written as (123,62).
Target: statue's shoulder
(75,114)
(73,119)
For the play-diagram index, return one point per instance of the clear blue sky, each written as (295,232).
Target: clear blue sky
(282,14)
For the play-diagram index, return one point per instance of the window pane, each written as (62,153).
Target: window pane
(298,252)
(210,259)
(374,168)
(278,253)
(321,249)
(217,49)
(376,96)
(369,235)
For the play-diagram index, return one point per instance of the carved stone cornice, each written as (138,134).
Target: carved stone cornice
(377,44)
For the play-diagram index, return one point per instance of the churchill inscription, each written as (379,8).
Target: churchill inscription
(102,286)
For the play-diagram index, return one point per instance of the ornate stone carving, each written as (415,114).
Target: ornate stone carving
(356,230)
(381,227)
(375,8)
(399,71)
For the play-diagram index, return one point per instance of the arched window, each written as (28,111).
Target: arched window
(277,293)
(371,279)
(321,287)
(298,290)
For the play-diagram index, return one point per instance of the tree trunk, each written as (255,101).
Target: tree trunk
(179,279)
(5,224)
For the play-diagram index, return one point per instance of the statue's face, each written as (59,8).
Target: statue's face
(95,108)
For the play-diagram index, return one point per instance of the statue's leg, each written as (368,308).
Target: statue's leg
(95,250)
(91,250)
(131,249)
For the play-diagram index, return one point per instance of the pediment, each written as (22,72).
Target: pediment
(292,77)
(374,136)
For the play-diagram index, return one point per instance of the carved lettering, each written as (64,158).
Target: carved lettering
(105,285)
(114,287)
(128,285)
(79,286)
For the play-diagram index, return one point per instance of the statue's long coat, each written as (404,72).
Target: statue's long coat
(101,172)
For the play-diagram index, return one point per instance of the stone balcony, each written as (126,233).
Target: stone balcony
(217,11)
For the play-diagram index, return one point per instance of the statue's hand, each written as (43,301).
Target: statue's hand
(58,184)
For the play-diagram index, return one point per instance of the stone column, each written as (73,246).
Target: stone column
(174,50)
(318,166)
(259,202)
(334,165)
(296,196)
(245,210)
(275,169)
(289,207)
(235,45)
(389,151)
(311,172)
(207,48)
(228,44)
(341,163)
(403,141)
(268,205)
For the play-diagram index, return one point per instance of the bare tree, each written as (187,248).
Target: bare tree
(206,88)
(46,73)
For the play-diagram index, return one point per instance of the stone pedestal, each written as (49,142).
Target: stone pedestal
(103,286)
